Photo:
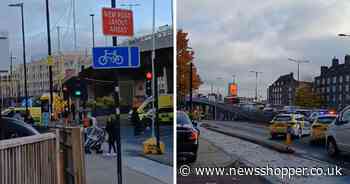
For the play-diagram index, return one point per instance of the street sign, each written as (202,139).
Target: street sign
(116,57)
(117,22)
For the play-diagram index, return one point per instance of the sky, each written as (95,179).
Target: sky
(235,37)
(61,15)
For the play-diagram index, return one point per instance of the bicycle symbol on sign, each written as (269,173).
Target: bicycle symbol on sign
(110,57)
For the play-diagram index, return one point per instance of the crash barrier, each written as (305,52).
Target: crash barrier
(72,155)
(30,160)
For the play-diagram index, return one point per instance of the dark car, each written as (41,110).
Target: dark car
(187,137)
(13,128)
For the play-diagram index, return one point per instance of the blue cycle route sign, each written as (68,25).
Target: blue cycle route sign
(116,57)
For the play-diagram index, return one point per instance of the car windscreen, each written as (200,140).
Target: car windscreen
(325,120)
(282,118)
(182,119)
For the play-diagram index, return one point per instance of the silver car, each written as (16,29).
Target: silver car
(338,134)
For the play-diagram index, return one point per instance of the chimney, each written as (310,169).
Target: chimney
(335,61)
(347,59)
(324,70)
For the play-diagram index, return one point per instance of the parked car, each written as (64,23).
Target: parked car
(280,123)
(13,128)
(187,137)
(320,126)
(338,134)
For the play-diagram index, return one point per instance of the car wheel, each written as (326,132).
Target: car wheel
(332,148)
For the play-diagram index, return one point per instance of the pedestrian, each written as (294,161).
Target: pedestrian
(135,119)
(65,115)
(112,136)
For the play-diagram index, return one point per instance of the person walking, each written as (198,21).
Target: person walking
(112,136)
(135,120)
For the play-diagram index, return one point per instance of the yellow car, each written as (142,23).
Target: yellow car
(320,126)
(296,122)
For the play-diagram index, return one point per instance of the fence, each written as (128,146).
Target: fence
(72,156)
(49,158)
(30,160)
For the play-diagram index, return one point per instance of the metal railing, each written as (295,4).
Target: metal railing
(30,160)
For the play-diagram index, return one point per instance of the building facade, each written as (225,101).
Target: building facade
(333,83)
(282,91)
(64,65)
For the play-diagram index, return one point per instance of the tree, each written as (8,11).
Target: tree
(306,97)
(185,56)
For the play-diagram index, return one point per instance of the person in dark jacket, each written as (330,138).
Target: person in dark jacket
(112,136)
(135,119)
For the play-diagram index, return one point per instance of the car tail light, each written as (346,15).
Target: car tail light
(194,136)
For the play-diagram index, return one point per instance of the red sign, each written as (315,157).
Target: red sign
(233,89)
(117,22)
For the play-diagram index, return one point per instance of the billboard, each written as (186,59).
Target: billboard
(232,89)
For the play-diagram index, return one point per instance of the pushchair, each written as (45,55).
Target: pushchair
(94,139)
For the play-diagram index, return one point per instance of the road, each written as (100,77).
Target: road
(211,156)
(257,155)
(302,147)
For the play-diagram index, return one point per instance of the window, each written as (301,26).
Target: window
(328,80)
(323,81)
(334,79)
(333,88)
(341,79)
(347,78)
(347,88)
(340,88)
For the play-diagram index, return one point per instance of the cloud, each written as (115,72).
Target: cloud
(234,37)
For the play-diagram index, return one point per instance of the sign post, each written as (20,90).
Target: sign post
(116,22)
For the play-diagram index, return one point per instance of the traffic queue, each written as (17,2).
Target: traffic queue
(324,127)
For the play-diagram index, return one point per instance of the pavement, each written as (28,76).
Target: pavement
(254,155)
(210,155)
(137,167)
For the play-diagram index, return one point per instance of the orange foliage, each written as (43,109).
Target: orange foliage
(185,56)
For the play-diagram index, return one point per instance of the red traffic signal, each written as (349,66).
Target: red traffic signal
(148,75)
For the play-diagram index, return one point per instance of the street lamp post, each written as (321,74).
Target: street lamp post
(130,5)
(256,83)
(24,53)
(49,55)
(11,73)
(93,30)
(190,88)
(298,62)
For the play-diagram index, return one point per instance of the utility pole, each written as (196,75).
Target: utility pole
(117,110)
(74,26)
(58,40)
(49,53)
(191,75)
(256,83)
(298,62)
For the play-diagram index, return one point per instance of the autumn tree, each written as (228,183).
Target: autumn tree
(185,55)
(306,97)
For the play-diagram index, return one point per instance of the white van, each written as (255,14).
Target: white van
(338,134)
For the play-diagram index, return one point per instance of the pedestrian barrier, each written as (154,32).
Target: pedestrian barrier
(30,160)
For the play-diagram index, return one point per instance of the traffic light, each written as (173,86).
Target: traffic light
(148,84)
(77,89)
